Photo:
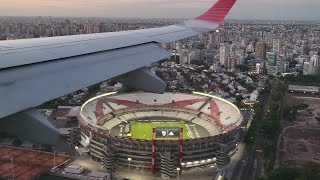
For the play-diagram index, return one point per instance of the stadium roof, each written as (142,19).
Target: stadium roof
(104,108)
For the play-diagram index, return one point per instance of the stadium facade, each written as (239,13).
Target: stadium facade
(208,132)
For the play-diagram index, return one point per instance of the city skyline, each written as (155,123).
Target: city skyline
(244,9)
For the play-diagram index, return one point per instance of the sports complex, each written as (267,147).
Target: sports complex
(159,132)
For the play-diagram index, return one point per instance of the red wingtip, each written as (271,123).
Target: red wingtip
(218,11)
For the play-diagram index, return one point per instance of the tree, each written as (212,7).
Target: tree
(276,96)
(16,142)
(243,68)
(278,74)
(198,88)
(197,62)
(53,104)
(284,173)
(249,88)
(226,89)
(239,98)
(303,106)
(293,64)
(231,74)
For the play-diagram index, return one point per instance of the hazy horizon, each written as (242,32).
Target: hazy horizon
(244,9)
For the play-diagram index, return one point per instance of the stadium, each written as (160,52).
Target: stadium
(159,132)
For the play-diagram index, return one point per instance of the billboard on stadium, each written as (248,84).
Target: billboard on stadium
(167,132)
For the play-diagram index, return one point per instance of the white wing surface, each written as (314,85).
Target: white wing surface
(33,71)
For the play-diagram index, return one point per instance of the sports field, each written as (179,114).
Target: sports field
(144,130)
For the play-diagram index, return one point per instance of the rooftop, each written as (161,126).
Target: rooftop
(27,164)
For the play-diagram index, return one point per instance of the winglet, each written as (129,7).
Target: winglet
(218,11)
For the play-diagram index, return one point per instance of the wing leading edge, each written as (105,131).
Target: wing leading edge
(54,48)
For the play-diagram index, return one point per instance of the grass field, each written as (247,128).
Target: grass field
(144,130)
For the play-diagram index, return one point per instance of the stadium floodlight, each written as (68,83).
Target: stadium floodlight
(178,173)
(129,159)
(196,162)
(76,148)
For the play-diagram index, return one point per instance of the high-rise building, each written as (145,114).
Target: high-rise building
(258,68)
(184,56)
(272,63)
(286,67)
(260,51)
(306,68)
(250,48)
(241,60)
(232,63)
(224,53)
(276,45)
(272,58)
(210,39)
(314,65)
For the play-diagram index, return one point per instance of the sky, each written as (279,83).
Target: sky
(244,9)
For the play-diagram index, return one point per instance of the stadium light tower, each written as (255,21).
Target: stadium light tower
(178,173)
(76,148)
(129,159)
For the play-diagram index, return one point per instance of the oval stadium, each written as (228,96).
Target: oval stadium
(159,132)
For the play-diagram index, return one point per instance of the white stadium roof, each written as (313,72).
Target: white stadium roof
(224,114)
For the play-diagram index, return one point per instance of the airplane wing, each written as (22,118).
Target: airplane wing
(34,71)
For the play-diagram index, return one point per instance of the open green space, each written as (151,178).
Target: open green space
(141,130)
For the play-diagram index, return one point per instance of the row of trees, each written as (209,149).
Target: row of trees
(290,112)
(252,131)
(268,124)
(271,125)
(258,115)
(310,80)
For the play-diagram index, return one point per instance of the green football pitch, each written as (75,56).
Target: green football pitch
(140,130)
